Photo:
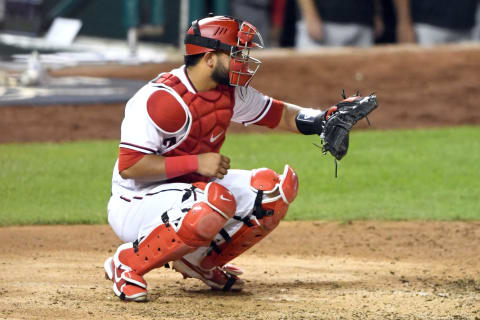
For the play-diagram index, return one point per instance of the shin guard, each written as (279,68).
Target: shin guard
(161,246)
(274,194)
(244,239)
(197,228)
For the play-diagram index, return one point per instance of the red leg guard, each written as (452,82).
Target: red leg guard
(161,246)
(280,191)
(130,261)
(242,240)
(199,226)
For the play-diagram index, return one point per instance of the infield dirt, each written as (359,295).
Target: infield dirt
(303,270)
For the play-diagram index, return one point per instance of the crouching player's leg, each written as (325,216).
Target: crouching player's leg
(191,224)
(263,197)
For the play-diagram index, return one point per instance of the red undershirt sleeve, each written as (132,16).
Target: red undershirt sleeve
(128,157)
(273,116)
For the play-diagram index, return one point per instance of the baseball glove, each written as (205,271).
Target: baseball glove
(340,119)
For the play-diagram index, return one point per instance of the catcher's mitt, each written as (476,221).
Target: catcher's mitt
(338,122)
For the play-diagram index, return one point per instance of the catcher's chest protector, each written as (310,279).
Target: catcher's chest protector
(211,113)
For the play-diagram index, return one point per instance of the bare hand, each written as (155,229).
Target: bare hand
(213,165)
(312,19)
(379,26)
(405,33)
(315,28)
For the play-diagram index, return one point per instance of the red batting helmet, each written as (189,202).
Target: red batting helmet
(224,33)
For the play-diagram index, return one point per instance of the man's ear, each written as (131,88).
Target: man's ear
(210,59)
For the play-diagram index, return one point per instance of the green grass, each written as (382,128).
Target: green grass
(55,183)
(394,175)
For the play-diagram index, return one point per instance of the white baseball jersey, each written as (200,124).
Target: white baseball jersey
(141,133)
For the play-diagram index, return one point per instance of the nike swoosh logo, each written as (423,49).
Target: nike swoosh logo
(214,138)
(223,198)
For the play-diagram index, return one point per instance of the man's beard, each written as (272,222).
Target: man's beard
(220,74)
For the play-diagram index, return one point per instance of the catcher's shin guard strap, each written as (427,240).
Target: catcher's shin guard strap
(309,121)
(225,236)
(230,282)
(258,210)
(243,239)
(245,220)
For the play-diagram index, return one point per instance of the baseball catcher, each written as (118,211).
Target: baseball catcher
(175,201)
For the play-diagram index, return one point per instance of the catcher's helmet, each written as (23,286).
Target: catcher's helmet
(224,33)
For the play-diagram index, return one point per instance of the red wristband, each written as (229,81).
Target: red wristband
(181,165)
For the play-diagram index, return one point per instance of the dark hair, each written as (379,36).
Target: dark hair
(192,60)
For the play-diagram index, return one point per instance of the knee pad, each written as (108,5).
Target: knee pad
(205,219)
(274,194)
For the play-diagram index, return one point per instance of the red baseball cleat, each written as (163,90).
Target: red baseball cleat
(127,285)
(218,278)
(232,269)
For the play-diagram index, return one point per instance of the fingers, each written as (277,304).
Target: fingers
(223,167)
(330,111)
(213,164)
(225,162)
(223,171)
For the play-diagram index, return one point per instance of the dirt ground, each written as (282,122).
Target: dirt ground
(303,270)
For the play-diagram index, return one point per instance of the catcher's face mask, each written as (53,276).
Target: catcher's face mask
(242,66)
(233,36)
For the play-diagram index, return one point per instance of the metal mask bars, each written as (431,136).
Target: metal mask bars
(242,66)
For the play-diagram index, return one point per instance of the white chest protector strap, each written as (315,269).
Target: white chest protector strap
(277,192)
